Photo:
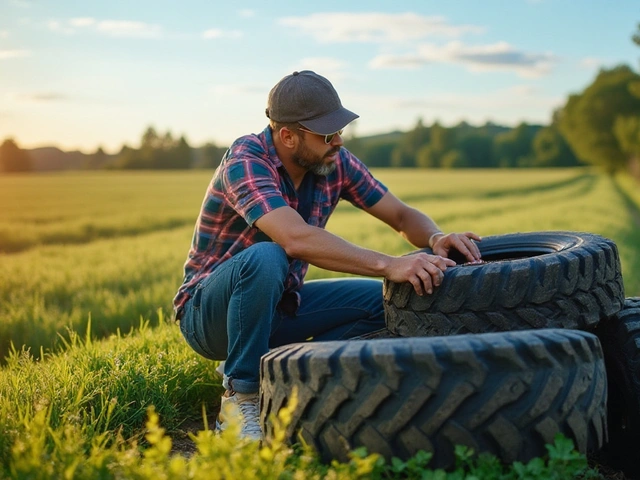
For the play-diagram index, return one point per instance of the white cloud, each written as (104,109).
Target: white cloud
(42,97)
(503,106)
(82,22)
(60,27)
(328,67)
(480,58)
(219,33)
(235,89)
(376,27)
(523,90)
(4,34)
(247,13)
(112,28)
(128,28)
(5,54)
(591,63)
(20,3)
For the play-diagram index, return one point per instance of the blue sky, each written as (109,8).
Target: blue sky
(83,74)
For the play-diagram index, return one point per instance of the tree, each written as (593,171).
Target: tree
(404,155)
(454,159)
(13,158)
(98,159)
(441,141)
(428,157)
(627,132)
(157,152)
(587,120)
(513,148)
(478,149)
(550,149)
(378,154)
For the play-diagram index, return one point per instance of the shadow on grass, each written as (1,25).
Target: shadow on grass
(631,237)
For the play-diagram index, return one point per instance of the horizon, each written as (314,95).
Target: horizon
(79,77)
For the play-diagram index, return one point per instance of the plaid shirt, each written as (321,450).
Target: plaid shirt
(250,182)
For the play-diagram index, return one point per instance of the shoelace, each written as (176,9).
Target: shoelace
(250,413)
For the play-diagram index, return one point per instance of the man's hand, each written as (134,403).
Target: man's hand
(422,270)
(462,242)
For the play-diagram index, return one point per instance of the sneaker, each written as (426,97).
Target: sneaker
(220,369)
(247,405)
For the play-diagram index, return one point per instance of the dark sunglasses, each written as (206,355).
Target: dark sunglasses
(327,138)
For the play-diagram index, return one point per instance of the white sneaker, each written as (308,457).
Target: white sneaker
(246,405)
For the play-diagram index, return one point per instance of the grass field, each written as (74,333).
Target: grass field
(110,246)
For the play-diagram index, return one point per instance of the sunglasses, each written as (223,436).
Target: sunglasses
(327,138)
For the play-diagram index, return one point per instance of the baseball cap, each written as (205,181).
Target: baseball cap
(309,99)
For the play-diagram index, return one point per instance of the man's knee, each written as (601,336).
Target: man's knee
(268,258)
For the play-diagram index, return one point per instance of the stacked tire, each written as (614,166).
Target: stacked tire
(501,357)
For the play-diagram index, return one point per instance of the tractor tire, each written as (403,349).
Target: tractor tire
(529,280)
(620,339)
(505,393)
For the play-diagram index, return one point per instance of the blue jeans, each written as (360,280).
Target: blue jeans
(233,314)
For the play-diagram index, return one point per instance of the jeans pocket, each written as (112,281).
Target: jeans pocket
(188,323)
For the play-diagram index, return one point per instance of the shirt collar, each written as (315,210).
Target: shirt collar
(271,148)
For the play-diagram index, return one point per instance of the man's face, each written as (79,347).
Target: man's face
(316,156)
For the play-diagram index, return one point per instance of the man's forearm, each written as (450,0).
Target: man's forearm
(419,229)
(330,252)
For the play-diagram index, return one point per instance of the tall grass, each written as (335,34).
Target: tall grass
(106,250)
(53,284)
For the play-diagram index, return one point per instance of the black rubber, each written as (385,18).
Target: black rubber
(504,393)
(530,280)
(620,338)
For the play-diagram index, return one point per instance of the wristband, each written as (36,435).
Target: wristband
(433,235)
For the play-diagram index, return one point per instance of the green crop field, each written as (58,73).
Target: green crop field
(107,248)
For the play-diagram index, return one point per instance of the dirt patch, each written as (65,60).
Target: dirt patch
(182,443)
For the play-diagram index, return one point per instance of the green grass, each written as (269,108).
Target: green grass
(109,247)
(109,410)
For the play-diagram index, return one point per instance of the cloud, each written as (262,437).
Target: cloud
(20,3)
(505,105)
(329,67)
(480,58)
(60,27)
(376,27)
(5,54)
(127,28)
(219,33)
(4,34)
(112,28)
(591,63)
(42,97)
(233,89)
(523,90)
(247,13)
(82,22)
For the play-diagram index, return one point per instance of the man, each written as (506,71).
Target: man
(262,223)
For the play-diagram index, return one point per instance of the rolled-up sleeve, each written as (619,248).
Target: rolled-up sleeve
(252,188)
(361,188)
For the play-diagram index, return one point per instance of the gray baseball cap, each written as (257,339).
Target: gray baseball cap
(309,99)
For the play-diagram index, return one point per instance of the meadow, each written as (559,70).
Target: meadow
(89,264)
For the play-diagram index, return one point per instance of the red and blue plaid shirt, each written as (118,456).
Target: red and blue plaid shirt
(250,182)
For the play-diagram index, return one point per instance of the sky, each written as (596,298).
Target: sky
(83,75)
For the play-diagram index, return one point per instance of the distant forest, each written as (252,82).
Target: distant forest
(599,126)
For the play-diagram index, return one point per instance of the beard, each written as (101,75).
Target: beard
(313,162)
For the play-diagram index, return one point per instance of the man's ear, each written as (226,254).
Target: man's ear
(288,137)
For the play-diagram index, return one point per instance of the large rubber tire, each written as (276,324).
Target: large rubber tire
(504,393)
(620,338)
(530,280)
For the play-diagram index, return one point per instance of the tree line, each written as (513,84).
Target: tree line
(599,126)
